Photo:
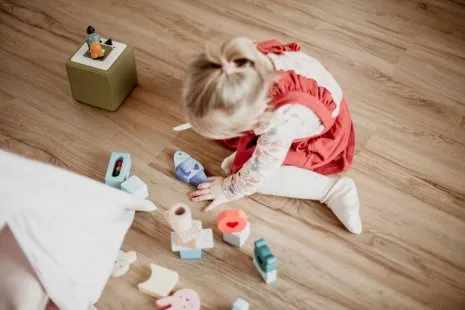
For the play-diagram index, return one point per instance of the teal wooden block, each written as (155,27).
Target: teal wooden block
(119,169)
(263,256)
(191,254)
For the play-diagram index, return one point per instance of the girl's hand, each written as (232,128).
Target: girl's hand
(211,190)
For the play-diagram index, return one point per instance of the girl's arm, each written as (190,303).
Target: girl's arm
(288,123)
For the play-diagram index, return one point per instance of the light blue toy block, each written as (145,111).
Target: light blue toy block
(191,254)
(112,177)
(240,304)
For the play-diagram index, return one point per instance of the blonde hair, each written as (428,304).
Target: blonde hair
(226,88)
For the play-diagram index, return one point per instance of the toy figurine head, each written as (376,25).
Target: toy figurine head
(90,29)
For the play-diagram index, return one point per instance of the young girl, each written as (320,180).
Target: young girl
(285,116)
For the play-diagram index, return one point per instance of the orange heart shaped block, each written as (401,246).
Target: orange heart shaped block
(231,220)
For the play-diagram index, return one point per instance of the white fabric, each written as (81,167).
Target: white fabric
(69,227)
(311,68)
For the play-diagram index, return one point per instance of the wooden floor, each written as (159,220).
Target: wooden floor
(401,64)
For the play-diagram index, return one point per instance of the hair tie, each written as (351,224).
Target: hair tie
(227,67)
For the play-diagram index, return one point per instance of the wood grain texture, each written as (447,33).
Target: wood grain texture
(401,65)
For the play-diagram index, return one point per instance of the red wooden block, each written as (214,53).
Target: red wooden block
(231,220)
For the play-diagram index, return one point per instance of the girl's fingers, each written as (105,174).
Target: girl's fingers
(213,178)
(200,192)
(204,185)
(203,197)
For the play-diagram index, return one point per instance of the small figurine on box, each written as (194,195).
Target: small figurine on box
(93,40)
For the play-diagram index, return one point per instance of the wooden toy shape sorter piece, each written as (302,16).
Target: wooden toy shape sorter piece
(104,82)
(180,219)
(184,299)
(119,168)
(265,261)
(234,226)
(135,186)
(203,241)
(161,282)
(188,169)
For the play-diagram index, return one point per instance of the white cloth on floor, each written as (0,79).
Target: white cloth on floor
(69,227)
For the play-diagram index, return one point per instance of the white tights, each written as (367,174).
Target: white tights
(338,193)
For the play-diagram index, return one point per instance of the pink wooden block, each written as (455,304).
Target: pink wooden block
(184,299)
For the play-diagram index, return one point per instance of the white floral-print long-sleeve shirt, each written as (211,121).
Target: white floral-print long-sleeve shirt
(286,124)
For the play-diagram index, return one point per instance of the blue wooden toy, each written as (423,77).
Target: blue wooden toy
(265,259)
(188,169)
(119,168)
(191,254)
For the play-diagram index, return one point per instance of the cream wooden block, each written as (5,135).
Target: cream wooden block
(161,282)
(268,277)
(204,241)
(190,234)
(238,238)
(122,263)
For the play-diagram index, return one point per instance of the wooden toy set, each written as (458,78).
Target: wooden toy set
(188,237)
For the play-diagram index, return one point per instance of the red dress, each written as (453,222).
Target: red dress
(329,152)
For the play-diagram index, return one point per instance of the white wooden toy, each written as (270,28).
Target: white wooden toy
(135,186)
(238,238)
(122,263)
(269,276)
(240,304)
(161,282)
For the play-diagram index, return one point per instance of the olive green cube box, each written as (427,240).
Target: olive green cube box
(106,82)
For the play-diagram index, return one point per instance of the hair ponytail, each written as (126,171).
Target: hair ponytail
(227,77)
